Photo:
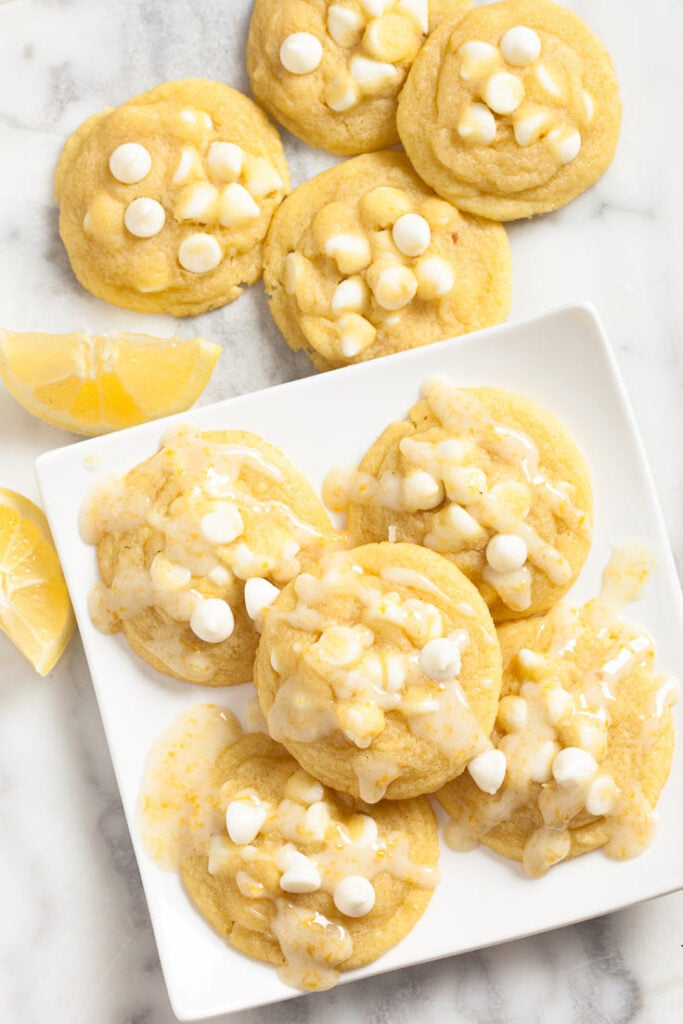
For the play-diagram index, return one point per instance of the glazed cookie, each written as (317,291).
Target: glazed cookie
(365,260)
(302,878)
(513,110)
(192,546)
(165,201)
(486,477)
(331,70)
(379,671)
(584,736)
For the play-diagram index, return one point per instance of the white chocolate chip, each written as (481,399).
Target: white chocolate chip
(291,272)
(488,770)
(419,10)
(520,46)
(213,621)
(220,575)
(506,552)
(354,896)
(189,164)
(476,58)
(435,277)
(225,160)
(301,53)
(301,876)
(503,92)
(168,575)
(565,145)
(375,8)
(144,217)
(199,253)
(223,524)
(411,234)
(440,659)
(394,287)
(372,75)
(236,206)
(261,178)
(303,789)
(546,81)
(355,334)
(529,127)
(197,202)
(573,765)
(512,713)
(601,796)
(421,491)
(130,163)
(243,820)
(194,117)
(259,594)
(541,767)
(350,294)
(559,704)
(477,124)
(316,821)
(341,93)
(351,253)
(343,25)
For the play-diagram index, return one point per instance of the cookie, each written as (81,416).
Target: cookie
(379,671)
(513,110)
(365,260)
(331,72)
(193,544)
(165,201)
(583,741)
(485,477)
(301,877)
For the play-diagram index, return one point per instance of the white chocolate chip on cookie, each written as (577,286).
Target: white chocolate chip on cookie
(435,277)
(477,124)
(343,25)
(350,294)
(412,234)
(225,160)
(355,334)
(419,10)
(393,286)
(200,253)
(341,93)
(546,81)
(351,253)
(260,177)
(372,75)
(236,206)
(213,621)
(520,46)
(130,163)
(301,53)
(144,217)
(566,145)
(476,58)
(197,202)
(503,92)
(530,125)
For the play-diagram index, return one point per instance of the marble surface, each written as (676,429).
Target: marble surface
(76,943)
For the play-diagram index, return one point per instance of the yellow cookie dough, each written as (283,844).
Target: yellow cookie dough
(486,477)
(301,877)
(584,731)
(192,545)
(379,671)
(365,260)
(513,110)
(331,70)
(165,201)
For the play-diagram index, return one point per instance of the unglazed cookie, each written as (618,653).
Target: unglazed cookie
(331,70)
(193,544)
(165,201)
(513,110)
(584,736)
(487,478)
(365,260)
(303,878)
(379,671)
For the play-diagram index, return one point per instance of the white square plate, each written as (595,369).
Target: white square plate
(563,361)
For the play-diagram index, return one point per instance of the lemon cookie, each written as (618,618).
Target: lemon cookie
(365,260)
(301,877)
(512,111)
(331,70)
(165,201)
(487,478)
(584,736)
(193,545)
(379,671)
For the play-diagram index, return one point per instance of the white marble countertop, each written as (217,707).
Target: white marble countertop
(76,944)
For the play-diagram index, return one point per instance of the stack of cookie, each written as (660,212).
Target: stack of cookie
(171,203)
(424,650)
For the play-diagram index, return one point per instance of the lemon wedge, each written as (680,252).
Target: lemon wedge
(93,383)
(35,611)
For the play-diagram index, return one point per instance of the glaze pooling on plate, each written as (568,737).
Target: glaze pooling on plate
(584,733)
